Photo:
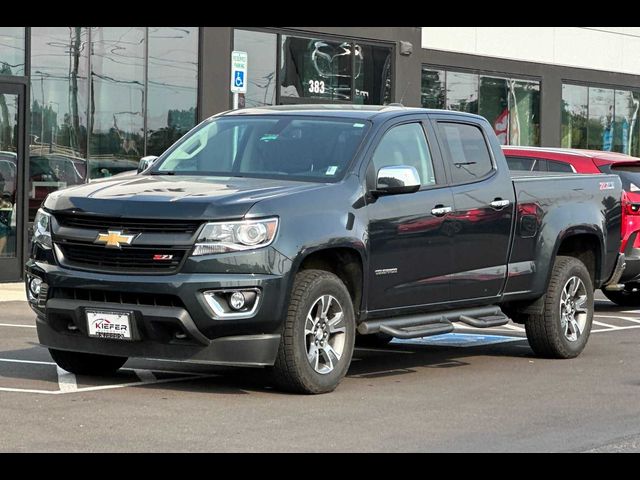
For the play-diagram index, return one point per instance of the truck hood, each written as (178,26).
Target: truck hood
(189,197)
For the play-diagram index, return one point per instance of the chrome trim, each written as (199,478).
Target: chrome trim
(218,311)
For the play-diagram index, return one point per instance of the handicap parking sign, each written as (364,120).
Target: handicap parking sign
(239,72)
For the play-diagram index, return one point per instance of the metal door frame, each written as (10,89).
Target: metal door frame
(11,269)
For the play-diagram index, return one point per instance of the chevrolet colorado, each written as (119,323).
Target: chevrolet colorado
(275,236)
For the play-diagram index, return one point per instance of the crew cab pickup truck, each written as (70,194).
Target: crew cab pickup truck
(273,237)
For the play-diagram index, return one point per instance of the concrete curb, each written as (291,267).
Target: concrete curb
(11,292)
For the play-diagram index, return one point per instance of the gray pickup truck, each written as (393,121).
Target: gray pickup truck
(280,237)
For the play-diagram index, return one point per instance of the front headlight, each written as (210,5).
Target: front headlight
(222,237)
(42,229)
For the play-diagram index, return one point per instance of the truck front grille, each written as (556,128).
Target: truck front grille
(125,260)
(130,225)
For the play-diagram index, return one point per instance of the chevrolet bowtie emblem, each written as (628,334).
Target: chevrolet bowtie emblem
(114,239)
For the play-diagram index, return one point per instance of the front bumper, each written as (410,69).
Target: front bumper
(186,330)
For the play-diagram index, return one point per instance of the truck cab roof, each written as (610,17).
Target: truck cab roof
(366,112)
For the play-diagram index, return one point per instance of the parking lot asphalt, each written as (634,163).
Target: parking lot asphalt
(468,391)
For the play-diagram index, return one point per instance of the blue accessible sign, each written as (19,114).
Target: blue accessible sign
(239,72)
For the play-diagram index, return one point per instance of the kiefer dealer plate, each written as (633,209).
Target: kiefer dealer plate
(111,325)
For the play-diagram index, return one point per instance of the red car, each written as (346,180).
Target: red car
(568,160)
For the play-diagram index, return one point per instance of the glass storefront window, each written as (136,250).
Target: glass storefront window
(372,75)
(12,50)
(625,131)
(316,69)
(600,126)
(462,92)
(575,110)
(261,51)
(493,104)
(524,112)
(172,80)
(8,173)
(58,133)
(433,89)
(116,122)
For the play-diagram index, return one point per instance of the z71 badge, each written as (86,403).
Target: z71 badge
(607,186)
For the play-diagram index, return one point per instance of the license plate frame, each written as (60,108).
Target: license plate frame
(110,324)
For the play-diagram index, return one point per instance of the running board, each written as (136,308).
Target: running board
(426,325)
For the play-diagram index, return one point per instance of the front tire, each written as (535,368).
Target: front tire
(319,333)
(629,297)
(87,363)
(562,331)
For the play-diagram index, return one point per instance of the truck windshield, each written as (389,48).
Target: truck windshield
(296,147)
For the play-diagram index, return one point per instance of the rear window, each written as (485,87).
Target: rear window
(629,174)
(466,151)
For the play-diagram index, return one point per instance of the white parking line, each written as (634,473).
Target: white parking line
(16,325)
(66,381)
(628,319)
(602,324)
(145,375)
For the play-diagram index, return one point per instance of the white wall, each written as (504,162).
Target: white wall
(614,49)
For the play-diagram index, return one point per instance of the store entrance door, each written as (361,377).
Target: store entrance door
(12,171)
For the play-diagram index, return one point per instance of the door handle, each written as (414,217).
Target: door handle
(440,211)
(499,204)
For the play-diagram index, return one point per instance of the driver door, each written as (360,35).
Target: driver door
(410,234)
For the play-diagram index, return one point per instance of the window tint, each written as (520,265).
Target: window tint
(559,167)
(526,164)
(406,145)
(466,150)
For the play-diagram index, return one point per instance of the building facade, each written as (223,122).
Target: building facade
(81,103)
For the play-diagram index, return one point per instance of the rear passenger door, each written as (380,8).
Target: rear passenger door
(483,199)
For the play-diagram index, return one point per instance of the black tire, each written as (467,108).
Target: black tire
(545,332)
(374,340)
(292,370)
(87,363)
(629,297)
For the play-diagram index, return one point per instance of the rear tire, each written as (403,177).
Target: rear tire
(319,333)
(87,363)
(629,297)
(562,331)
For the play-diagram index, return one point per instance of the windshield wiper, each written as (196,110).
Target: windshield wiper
(162,173)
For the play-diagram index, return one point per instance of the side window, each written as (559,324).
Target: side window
(526,164)
(406,145)
(560,167)
(466,150)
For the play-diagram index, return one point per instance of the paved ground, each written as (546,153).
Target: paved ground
(462,392)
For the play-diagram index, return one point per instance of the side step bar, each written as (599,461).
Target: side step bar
(426,325)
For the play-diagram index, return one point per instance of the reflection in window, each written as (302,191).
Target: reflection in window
(58,140)
(313,68)
(261,50)
(8,173)
(372,75)
(433,88)
(172,85)
(12,41)
(625,134)
(575,107)
(493,105)
(524,112)
(600,127)
(462,92)
(116,122)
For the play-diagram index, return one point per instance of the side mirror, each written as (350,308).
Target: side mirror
(146,162)
(396,180)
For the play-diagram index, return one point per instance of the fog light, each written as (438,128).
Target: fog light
(237,301)
(34,286)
